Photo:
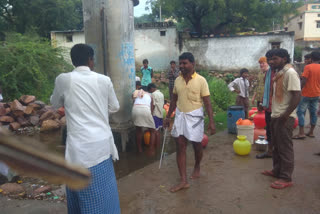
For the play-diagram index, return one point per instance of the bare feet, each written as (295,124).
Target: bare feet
(180,186)
(195,173)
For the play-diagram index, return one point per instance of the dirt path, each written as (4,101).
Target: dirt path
(228,184)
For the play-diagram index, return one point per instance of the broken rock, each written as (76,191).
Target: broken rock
(2,111)
(43,189)
(11,188)
(34,120)
(49,125)
(47,115)
(16,106)
(26,99)
(15,126)
(6,119)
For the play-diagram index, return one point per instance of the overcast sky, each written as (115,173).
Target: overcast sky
(140,9)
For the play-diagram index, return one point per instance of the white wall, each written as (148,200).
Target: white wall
(159,50)
(59,39)
(234,53)
(311,30)
(221,54)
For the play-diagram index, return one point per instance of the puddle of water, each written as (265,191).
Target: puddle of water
(129,161)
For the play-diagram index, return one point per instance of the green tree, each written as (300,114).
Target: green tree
(41,16)
(29,65)
(226,16)
(144,19)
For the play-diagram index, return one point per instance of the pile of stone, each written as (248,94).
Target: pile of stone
(29,112)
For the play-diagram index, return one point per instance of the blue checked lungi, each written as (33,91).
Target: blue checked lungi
(100,197)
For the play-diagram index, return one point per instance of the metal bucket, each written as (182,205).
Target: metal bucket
(261,144)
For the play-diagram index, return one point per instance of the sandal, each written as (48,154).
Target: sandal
(281,184)
(298,137)
(309,135)
(263,155)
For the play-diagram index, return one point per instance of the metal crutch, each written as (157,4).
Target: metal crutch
(163,144)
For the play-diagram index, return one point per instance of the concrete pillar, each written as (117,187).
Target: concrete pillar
(109,29)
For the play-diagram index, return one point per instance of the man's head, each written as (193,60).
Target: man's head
(145,63)
(138,84)
(278,58)
(82,55)
(173,64)
(263,63)
(315,56)
(307,59)
(268,56)
(186,63)
(244,73)
(152,88)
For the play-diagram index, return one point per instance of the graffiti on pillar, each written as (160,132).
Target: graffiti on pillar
(127,59)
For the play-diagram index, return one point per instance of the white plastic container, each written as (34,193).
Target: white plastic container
(246,131)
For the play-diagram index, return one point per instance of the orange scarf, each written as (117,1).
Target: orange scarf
(278,79)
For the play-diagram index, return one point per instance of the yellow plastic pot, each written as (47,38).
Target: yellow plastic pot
(242,146)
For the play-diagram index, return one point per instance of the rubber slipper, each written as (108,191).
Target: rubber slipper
(263,155)
(268,173)
(281,184)
(297,137)
(312,136)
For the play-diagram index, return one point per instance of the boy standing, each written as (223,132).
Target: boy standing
(310,84)
(158,102)
(172,74)
(147,73)
(89,98)
(241,87)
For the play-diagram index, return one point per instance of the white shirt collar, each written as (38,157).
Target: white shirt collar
(82,68)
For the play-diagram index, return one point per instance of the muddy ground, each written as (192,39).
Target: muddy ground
(228,184)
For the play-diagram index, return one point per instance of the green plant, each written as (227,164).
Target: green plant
(29,65)
(164,88)
(221,96)
(297,54)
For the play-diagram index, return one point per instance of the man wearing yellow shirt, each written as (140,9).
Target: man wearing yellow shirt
(190,92)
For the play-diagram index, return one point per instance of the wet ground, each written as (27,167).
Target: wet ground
(228,184)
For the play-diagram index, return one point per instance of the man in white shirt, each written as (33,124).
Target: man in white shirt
(88,98)
(241,87)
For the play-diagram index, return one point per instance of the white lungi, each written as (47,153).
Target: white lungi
(190,125)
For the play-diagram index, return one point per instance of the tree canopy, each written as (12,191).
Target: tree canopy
(226,16)
(41,16)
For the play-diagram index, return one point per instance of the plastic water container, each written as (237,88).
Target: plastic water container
(246,131)
(234,113)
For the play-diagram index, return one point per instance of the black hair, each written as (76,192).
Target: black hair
(283,53)
(80,54)
(187,55)
(307,56)
(138,83)
(145,88)
(315,56)
(269,53)
(151,85)
(243,70)
(145,61)
(172,62)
